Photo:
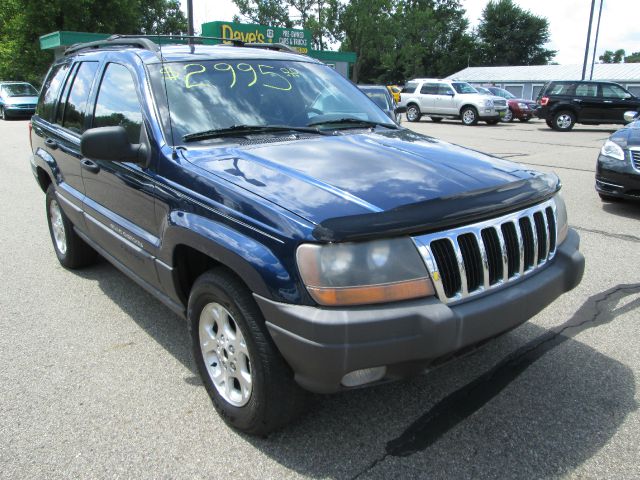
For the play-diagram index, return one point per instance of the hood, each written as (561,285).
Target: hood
(629,136)
(21,100)
(321,177)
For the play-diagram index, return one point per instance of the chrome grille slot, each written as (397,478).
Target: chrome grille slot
(635,159)
(494,255)
(472,259)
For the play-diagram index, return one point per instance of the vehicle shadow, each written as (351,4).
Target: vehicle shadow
(623,208)
(158,321)
(579,129)
(459,420)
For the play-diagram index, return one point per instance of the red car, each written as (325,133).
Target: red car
(518,107)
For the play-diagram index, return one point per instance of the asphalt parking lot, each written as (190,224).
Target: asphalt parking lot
(96,379)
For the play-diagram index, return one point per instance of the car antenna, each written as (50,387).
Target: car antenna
(163,72)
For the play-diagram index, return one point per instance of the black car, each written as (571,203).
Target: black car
(562,104)
(618,169)
(381,96)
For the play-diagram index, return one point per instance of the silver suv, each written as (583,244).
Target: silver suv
(449,99)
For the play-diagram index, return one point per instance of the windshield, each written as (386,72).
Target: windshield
(221,95)
(463,87)
(483,91)
(19,90)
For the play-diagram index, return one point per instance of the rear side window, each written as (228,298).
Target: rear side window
(587,90)
(429,89)
(558,89)
(444,89)
(409,88)
(76,104)
(50,91)
(117,103)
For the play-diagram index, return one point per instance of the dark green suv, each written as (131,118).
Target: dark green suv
(563,104)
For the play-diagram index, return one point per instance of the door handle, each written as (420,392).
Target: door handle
(608,101)
(89,165)
(577,100)
(51,143)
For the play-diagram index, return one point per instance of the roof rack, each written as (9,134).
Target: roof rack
(145,42)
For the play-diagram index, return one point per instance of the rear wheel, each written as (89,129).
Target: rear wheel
(549,123)
(249,383)
(469,116)
(508,116)
(564,121)
(413,113)
(71,250)
(3,114)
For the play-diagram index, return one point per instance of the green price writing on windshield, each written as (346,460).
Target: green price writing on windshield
(270,76)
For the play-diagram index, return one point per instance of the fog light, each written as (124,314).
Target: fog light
(366,375)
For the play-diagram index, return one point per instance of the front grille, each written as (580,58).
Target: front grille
(635,159)
(500,103)
(25,106)
(472,259)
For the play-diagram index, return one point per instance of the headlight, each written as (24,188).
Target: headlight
(523,106)
(563,221)
(363,273)
(488,103)
(613,150)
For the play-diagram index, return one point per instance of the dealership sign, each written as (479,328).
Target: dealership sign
(253,33)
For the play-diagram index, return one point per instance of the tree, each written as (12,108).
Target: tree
(22,23)
(510,35)
(612,57)
(633,58)
(273,13)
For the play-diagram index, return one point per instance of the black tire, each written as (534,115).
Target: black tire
(492,122)
(564,121)
(549,123)
(3,114)
(436,119)
(469,116)
(413,113)
(274,399)
(71,250)
(524,120)
(508,116)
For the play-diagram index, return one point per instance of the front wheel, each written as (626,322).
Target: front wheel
(563,121)
(71,250)
(249,383)
(508,116)
(469,116)
(3,114)
(413,113)
(524,120)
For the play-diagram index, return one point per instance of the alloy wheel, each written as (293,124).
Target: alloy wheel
(57,226)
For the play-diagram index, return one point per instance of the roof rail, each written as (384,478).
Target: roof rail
(146,42)
(115,40)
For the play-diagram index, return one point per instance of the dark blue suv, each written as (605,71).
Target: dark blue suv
(308,240)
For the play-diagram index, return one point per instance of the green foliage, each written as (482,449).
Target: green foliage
(22,22)
(273,13)
(510,35)
(613,57)
(633,58)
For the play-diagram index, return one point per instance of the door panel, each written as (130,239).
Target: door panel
(119,202)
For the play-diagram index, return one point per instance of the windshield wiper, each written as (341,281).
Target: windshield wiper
(353,123)
(240,130)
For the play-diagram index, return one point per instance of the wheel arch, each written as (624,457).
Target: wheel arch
(467,105)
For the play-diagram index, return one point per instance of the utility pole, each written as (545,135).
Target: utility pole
(595,43)
(190,17)
(586,49)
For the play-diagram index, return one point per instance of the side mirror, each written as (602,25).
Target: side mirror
(111,143)
(630,116)
(401,110)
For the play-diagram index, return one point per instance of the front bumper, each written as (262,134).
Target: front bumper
(490,113)
(323,344)
(617,178)
(17,111)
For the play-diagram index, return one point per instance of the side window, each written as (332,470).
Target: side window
(559,89)
(613,91)
(444,89)
(117,103)
(75,107)
(50,91)
(409,88)
(429,89)
(587,90)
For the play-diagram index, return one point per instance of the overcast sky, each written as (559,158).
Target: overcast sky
(568,23)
